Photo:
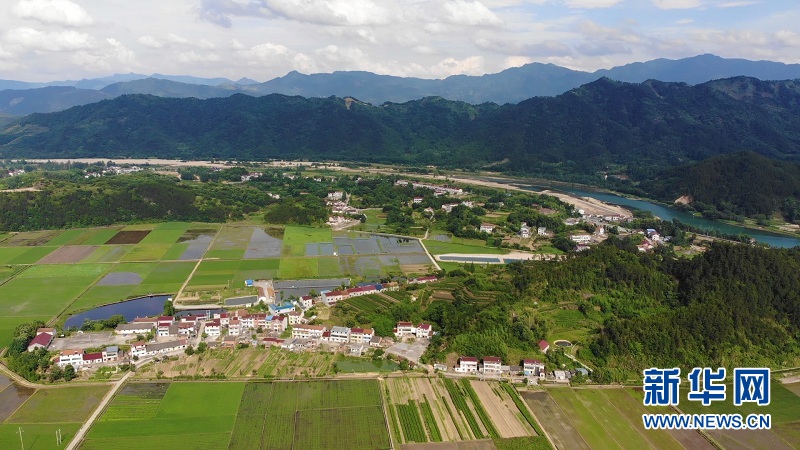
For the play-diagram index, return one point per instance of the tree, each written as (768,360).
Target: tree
(189,350)
(202,347)
(169,308)
(69,372)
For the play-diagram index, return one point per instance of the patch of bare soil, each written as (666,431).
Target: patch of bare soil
(68,254)
(128,237)
(424,392)
(683,200)
(484,444)
(502,415)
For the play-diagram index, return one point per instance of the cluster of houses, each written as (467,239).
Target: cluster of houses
(339,209)
(403,329)
(330,298)
(530,368)
(78,358)
(437,190)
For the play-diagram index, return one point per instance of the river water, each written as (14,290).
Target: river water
(665,213)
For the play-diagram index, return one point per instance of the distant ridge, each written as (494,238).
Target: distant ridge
(512,85)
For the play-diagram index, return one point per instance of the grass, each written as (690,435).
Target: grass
(784,405)
(413,430)
(185,417)
(146,252)
(37,435)
(297,268)
(296,238)
(430,421)
(97,236)
(23,255)
(108,253)
(460,403)
(522,408)
(610,418)
(48,404)
(523,443)
(302,415)
(66,237)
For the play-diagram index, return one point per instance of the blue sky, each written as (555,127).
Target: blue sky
(43,40)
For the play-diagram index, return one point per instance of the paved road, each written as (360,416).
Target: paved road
(100,408)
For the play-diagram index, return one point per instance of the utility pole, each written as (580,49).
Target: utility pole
(22,444)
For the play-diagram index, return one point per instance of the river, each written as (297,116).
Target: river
(665,213)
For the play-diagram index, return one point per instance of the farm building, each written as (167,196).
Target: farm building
(43,339)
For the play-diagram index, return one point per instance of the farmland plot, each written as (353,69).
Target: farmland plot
(502,411)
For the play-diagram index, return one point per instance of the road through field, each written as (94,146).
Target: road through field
(73,445)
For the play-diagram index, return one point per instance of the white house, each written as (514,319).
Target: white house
(306,301)
(165,347)
(581,238)
(491,364)
(332,297)
(524,231)
(544,346)
(361,335)
(295,318)
(424,330)
(235,327)
(467,364)
(134,328)
(73,357)
(487,228)
(139,349)
(277,324)
(339,334)
(308,331)
(532,367)
(404,328)
(337,195)
(541,231)
(213,327)
(111,353)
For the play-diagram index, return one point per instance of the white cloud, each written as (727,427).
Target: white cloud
(194,57)
(330,12)
(788,38)
(591,4)
(53,12)
(26,39)
(473,65)
(677,4)
(150,41)
(467,12)
(516,48)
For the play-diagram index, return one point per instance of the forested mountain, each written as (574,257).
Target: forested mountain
(46,99)
(512,85)
(743,184)
(642,126)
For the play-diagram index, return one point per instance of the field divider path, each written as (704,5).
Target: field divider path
(81,433)
(196,266)
(385,403)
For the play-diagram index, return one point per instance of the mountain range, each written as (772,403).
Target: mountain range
(650,124)
(509,86)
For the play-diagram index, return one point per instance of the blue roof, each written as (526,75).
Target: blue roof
(248,282)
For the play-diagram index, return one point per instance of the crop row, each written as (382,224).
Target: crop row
(458,400)
(480,409)
(430,421)
(412,425)
(249,423)
(522,408)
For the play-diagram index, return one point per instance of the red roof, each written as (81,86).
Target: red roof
(424,326)
(144,320)
(492,359)
(543,344)
(405,324)
(469,359)
(43,339)
(357,330)
(336,293)
(92,356)
(213,323)
(166,318)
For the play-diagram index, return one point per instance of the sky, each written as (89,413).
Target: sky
(46,40)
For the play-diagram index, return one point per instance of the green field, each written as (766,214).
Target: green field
(610,419)
(303,414)
(47,411)
(190,414)
(296,238)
